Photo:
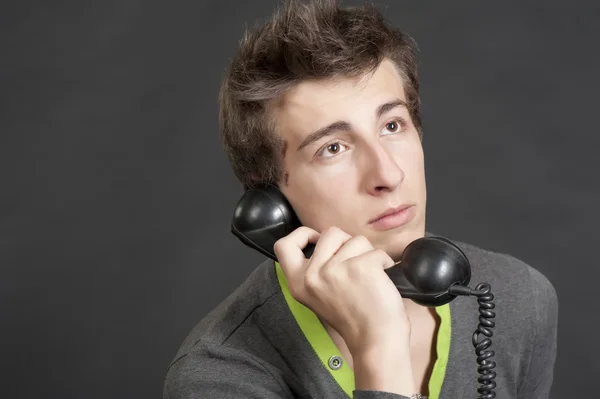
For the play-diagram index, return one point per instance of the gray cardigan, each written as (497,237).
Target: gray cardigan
(254,345)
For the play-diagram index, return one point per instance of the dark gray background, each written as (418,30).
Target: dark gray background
(116,199)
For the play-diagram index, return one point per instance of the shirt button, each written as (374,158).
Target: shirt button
(335,362)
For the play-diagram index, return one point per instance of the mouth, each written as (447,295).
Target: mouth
(393,217)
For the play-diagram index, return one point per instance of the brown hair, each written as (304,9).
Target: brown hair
(301,41)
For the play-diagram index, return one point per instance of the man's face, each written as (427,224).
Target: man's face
(352,154)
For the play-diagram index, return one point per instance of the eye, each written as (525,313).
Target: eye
(394,126)
(331,150)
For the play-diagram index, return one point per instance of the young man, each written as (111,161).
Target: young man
(323,102)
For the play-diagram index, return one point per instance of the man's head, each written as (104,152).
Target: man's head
(323,102)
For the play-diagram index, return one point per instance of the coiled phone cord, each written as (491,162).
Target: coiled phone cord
(484,355)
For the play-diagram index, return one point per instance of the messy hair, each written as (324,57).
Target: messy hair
(302,41)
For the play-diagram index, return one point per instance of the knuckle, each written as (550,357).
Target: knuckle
(355,268)
(331,230)
(295,291)
(354,262)
(363,241)
(329,273)
(380,253)
(335,231)
(279,245)
(384,256)
(311,281)
(304,229)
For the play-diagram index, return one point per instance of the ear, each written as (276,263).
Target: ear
(251,179)
(252,176)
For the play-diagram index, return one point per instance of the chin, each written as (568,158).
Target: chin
(395,242)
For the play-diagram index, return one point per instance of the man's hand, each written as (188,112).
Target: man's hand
(344,283)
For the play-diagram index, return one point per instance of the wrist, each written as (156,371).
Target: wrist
(394,337)
(385,368)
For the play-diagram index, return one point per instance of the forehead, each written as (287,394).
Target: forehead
(311,105)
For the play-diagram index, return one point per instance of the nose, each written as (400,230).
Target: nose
(383,173)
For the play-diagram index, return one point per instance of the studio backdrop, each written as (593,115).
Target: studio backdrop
(116,198)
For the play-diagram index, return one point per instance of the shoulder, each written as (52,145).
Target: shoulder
(526,318)
(222,322)
(217,371)
(526,302)
(511,278)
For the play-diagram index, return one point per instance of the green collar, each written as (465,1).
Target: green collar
(325,348)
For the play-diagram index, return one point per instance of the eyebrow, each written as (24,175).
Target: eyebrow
(345,126)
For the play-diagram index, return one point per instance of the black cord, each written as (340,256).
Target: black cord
(484,355)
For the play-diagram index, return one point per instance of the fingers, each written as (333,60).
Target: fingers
(335,252)
(377,258)
(361,248)
(301,274)
(355,246)
(330,242)
(368,266)
(288,250)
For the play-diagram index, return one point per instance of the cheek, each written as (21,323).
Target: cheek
(336,200)
(410,157)
(322,199)
(416,163)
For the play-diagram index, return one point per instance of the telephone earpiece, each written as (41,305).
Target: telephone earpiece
(261,217)
(432,271)
(429,267)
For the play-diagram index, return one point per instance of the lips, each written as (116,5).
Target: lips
(390,211)
(393,218)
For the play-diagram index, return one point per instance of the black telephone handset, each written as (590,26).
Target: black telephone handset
(430,265)
(432,272)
